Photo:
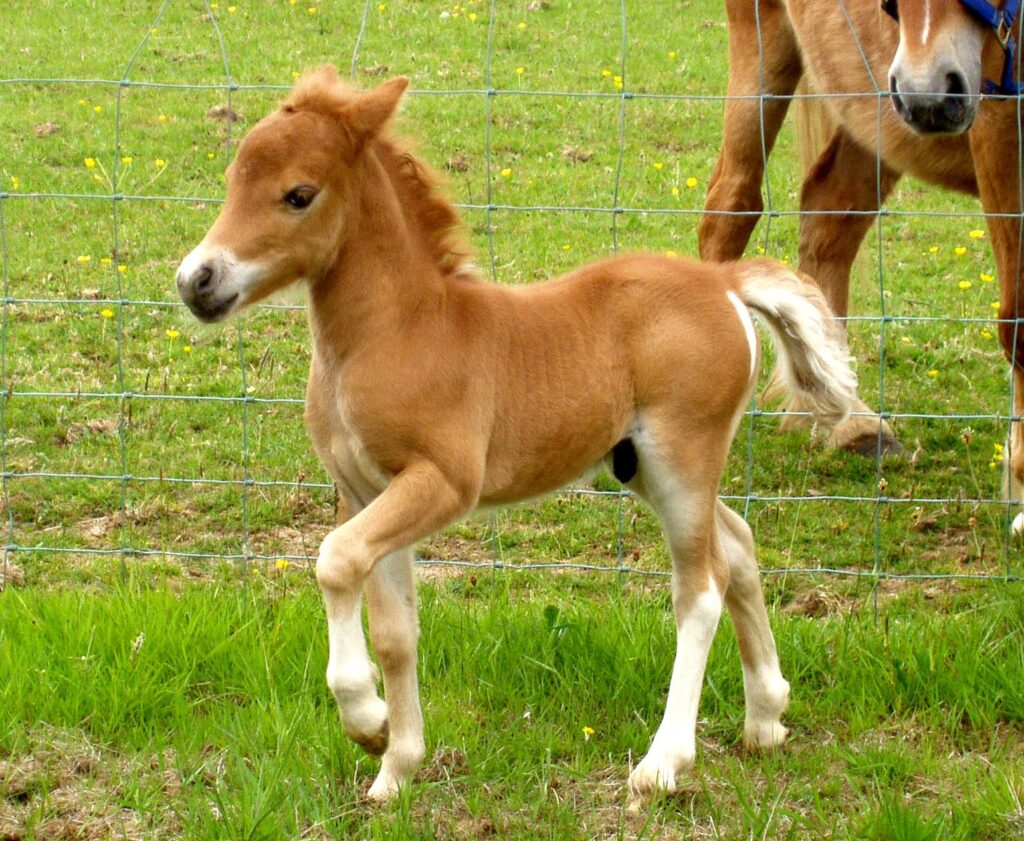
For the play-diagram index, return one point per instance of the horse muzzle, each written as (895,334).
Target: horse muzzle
(206,286)
(943,106)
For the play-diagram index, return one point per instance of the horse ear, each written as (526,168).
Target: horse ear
(371,110)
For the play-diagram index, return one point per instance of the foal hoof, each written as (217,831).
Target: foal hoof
(376,744)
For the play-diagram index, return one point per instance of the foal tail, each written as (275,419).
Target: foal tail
(813,363)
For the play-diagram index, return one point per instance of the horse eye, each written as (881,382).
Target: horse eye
(891,8)
(300,198)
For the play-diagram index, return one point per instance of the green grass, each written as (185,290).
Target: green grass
(907,703)
(204,714)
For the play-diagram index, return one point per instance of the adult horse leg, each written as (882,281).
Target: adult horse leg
(848,179)
(760,84)
(700,576)
(997,165)
(418,501)
(765,690)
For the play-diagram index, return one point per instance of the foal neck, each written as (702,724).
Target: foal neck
(397,258)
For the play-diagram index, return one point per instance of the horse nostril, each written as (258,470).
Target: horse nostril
(956,85)
(202,279)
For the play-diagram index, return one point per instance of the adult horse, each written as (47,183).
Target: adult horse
(903,88)
(432,392)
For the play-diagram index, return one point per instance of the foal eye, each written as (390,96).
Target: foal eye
(300,197)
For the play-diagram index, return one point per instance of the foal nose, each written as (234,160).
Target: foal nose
(947,110)
(195,282)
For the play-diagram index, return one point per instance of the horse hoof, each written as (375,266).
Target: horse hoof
(376,744)
(873,443)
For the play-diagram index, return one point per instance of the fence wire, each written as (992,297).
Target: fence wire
(120,196)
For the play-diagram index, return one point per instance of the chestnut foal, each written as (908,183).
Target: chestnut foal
(432,393)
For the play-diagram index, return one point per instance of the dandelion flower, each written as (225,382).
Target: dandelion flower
(933,250)
(675,191)
(659,165)
(472,16)
(210,155)
(127,160)
(282,564)
(506,173)
(232,9)
(566,247)
(964,284)
(992,465)
(162,118)
(15,182)
(187,348)
(122,268)
(382,6)
(160,162)
(90,163)
(97,108)
(960,251)
(521,26)
(84,258)
(172,334)
(520,71)
(672,54)
(312,10)
(760,249)
(691,182)
(933,373)
(985,278)
(994,305)
(107,312)
(671,253)
(997,447)
(976,234)
(106,261)
(985,334)
(587,733)
(606,73)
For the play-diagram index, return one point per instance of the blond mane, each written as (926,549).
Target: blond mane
(419,187)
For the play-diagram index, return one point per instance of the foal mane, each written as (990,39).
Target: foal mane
(418,186)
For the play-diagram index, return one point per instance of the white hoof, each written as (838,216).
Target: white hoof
(764,735)
(655,775)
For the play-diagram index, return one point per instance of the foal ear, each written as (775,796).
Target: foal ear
(371,110)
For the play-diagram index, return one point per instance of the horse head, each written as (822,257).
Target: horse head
(288,190)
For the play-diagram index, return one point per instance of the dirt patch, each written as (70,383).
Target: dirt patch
(11,575)
(65,787)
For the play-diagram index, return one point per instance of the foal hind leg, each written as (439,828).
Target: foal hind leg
(765,689)
(845,177)
(758,99)
(699,578)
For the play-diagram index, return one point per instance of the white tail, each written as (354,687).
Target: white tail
(813,363)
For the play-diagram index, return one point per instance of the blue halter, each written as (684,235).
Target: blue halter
(1001,21)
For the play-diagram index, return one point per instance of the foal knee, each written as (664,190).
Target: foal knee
(342,563)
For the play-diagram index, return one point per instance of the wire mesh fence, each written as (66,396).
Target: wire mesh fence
(128,434)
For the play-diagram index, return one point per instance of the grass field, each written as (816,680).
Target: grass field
(150,465)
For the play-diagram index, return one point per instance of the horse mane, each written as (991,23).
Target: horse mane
(418,186)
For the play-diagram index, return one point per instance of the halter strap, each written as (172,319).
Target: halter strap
(1001,21)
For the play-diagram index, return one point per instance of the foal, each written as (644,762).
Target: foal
(432,393)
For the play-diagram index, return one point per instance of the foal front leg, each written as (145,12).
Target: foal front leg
(418,501)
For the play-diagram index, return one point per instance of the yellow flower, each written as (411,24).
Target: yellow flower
(506,173)
(162,118)
(994,305)
(160,162)
(90,163)
(964,284)
(15,182)
(760,249)
(985,278)
(933,250)
(282,564)
(82,102)
(520,71)
(691,182)
(905,340)
(658,165)
(472,15)
(606,73)
(587,733)
(122,269)
(985,334)
(172,334)
(312,10)
(992,465)
(933,373)
(521,26)
(997,447)
(976,234)
(210,155)
(675,191)
(382,6)
(85,258)
(959,251)
(187,348)
(107,312)
(566,247)
(106,261)
(671,253)
(672,54)
(97,108)
(127,160)
(232,9)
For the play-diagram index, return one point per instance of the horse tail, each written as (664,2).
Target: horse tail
(814,124)
(812,361)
